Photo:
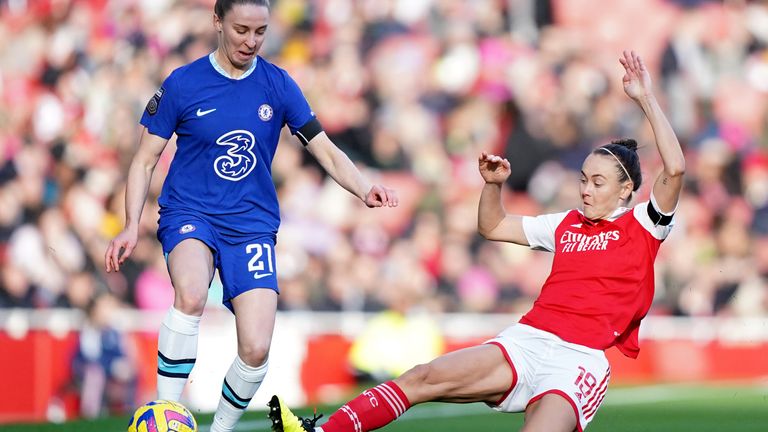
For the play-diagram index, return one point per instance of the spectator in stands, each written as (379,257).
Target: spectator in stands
(103,367)
(16,291)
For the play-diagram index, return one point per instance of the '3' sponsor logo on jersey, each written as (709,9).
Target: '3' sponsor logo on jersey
(239,159)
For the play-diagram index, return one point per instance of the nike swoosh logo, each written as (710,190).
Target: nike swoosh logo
(201,113)
(262,275)
(576,225)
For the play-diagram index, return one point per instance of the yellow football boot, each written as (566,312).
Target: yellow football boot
(283,420)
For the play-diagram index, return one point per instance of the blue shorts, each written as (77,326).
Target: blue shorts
(244,263)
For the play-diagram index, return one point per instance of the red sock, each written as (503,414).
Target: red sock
(371,410)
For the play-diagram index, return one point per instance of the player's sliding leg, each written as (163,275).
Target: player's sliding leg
(475,374)
(372,409)
(176,353)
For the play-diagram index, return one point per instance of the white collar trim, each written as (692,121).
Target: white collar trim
(219,69)
(615,215)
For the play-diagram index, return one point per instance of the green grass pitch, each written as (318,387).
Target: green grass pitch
(631,409)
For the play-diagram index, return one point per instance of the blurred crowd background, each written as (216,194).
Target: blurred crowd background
(413,91)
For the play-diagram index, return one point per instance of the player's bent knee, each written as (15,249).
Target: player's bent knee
(190,302)
(191,295)
(416,375)
(254,354)
(420,385)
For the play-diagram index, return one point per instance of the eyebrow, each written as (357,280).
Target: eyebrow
(245,27)
(593,175)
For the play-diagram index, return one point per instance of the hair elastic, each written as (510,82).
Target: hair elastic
(619,161)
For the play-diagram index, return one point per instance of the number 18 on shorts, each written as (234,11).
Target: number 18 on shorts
(545,364)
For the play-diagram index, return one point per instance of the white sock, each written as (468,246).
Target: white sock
(240,384)
(176,353)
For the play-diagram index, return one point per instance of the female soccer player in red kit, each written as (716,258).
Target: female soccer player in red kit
(551,365)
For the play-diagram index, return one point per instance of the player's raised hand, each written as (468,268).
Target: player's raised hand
(637,79)
(494,169)
(125,242)
(380,196)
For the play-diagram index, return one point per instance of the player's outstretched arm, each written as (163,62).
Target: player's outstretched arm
(493,222)
(340,168)
(139,177)
(638,86)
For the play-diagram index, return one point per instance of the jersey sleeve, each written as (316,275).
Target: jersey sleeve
(161,115)
(656,222)
(540,230)
(297,110)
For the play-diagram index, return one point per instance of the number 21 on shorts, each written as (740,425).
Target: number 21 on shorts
(261,263)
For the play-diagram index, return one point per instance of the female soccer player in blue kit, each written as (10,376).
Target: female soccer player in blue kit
(218,207)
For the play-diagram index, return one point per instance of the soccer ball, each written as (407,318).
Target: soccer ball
(162,416)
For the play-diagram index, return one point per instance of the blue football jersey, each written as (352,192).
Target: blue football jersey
(227,133)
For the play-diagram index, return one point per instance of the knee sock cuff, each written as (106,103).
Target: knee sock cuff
(250,373)
(394,396)
(399,392)
(180,322)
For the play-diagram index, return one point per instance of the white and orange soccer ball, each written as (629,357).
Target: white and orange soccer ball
(162,416)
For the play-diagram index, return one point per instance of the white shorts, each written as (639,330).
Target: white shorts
(542,363)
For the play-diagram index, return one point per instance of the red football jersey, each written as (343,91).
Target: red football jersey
(602,278)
